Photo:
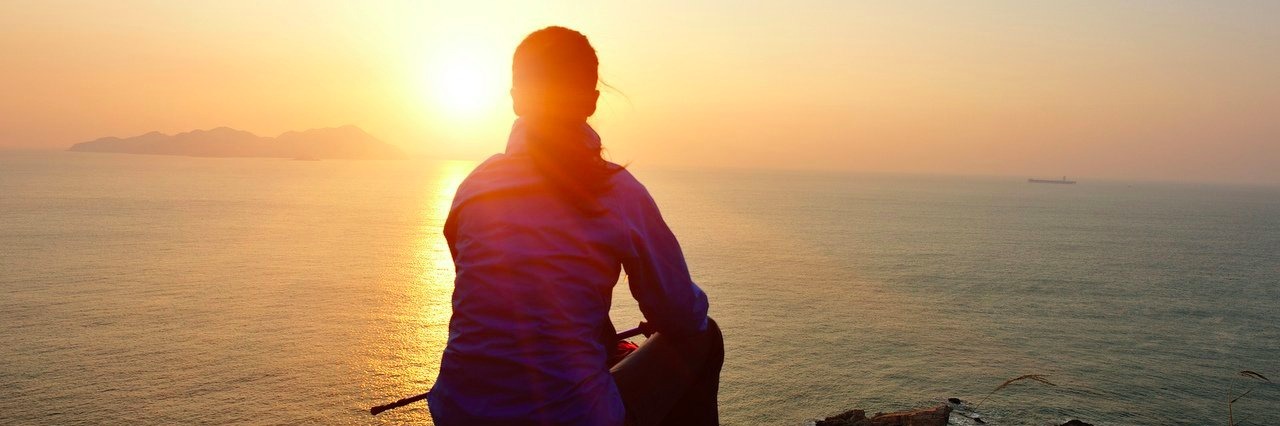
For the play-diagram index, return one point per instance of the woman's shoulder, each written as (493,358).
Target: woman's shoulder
(623,183)
(630,196)
(499,173)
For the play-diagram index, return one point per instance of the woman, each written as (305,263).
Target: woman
(539,235)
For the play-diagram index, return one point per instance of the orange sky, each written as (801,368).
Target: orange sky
(1092,89)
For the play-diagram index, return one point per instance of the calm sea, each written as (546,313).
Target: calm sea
(172,290)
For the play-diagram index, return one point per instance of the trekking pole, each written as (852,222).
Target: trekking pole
(400,403)
(406,401)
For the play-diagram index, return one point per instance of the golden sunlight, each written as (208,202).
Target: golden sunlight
(465,84)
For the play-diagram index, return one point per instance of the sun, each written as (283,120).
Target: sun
(464,85)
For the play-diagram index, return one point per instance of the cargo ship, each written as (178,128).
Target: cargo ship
(1062,181)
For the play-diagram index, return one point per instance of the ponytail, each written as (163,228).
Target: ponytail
(570,160)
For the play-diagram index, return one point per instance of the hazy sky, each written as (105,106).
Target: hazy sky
(1092,89)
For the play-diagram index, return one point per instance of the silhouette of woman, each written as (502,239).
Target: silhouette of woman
(539,235)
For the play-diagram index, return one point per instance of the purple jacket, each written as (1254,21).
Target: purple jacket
(535,279)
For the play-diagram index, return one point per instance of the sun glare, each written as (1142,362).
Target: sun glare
(463,85)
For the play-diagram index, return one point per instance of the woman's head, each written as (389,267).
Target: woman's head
(553,89)
(553,76)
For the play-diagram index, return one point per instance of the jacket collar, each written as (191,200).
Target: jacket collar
(518,141)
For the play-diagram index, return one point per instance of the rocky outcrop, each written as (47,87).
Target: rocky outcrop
(936,416)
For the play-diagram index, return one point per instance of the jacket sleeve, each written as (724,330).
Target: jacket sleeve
(658,276)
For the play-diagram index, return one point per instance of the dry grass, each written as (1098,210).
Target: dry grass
(1231,418)
(1036,377)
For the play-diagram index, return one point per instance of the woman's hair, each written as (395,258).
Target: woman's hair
(553,85)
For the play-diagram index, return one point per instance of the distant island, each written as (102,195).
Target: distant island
(1060,181)
(346,142)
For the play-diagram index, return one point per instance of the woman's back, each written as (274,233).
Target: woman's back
(531,300)
(535,278)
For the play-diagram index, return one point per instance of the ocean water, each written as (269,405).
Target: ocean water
(173,290)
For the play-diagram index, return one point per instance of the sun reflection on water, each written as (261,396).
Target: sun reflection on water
(433,286)
(426,294)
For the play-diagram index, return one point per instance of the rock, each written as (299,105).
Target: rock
(936,416)
(1075,422)
(847,418)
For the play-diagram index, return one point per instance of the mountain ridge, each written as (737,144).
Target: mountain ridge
(343,142)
